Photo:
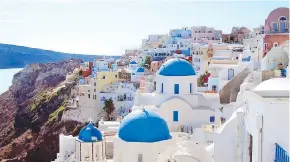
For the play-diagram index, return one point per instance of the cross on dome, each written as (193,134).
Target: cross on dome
(90,120)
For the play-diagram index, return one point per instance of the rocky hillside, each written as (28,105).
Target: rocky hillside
(31,111)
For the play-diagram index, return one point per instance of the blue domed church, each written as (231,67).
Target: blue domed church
(177,99)
(142,135)
(88,146)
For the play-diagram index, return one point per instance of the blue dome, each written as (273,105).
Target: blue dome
(133,62)
(176,67)
(143,126)
(90,133)
(140,70)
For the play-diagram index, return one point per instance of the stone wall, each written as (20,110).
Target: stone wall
(267,74)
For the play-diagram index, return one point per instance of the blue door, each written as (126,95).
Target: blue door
(176,88)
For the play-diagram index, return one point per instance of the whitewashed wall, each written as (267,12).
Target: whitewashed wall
(150,151)
(169,81)
(66,146)
(186,115)
(275,128)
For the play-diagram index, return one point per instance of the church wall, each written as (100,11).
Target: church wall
(169,81)
(127,152)
(66,146)
(186,115)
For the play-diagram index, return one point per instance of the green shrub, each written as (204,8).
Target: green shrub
(54,115)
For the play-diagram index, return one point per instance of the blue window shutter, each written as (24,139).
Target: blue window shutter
(175,116)
(212,119)
(176,88)
(190,88)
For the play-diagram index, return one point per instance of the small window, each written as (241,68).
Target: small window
(94,90)
(104,77)
(275,44)
(161,87)
(175,116)
(89,96)
(190,88)
(212,119)
(116,76)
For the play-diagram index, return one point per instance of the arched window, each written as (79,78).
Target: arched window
(282,24)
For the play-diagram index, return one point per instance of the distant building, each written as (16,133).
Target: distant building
(203,34)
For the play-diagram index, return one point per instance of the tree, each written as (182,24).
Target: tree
(109,107)
(147,62)
(200,80)
(80,72)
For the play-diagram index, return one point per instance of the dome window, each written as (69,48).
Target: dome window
(283,18)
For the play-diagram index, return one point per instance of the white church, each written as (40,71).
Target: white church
(176,98)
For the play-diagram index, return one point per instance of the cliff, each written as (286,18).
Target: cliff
(31,112)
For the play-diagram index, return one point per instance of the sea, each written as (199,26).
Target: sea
(6,76)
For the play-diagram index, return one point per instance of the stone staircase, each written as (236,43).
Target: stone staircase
(230,91)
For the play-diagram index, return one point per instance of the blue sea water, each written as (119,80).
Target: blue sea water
(6,76)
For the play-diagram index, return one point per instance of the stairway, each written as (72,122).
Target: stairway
(230,91)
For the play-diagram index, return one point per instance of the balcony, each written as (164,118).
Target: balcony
(281,155)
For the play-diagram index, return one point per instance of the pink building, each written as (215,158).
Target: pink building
(277,21)
(276,28)
(155,65)
(203,34)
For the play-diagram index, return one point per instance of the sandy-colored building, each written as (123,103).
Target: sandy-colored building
(105,77)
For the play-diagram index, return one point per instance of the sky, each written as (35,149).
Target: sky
(111,26)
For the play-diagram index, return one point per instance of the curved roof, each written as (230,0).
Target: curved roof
(133,62)
(275,15)
(176,67)
(140,70)
(90,133)
(276,87)
(143,126)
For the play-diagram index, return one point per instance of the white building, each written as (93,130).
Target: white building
(89,146)
(84,103)
(276,56)
(222,69)
(135,77)
(122,95)
(258,130)
(132,66)
(101,65)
